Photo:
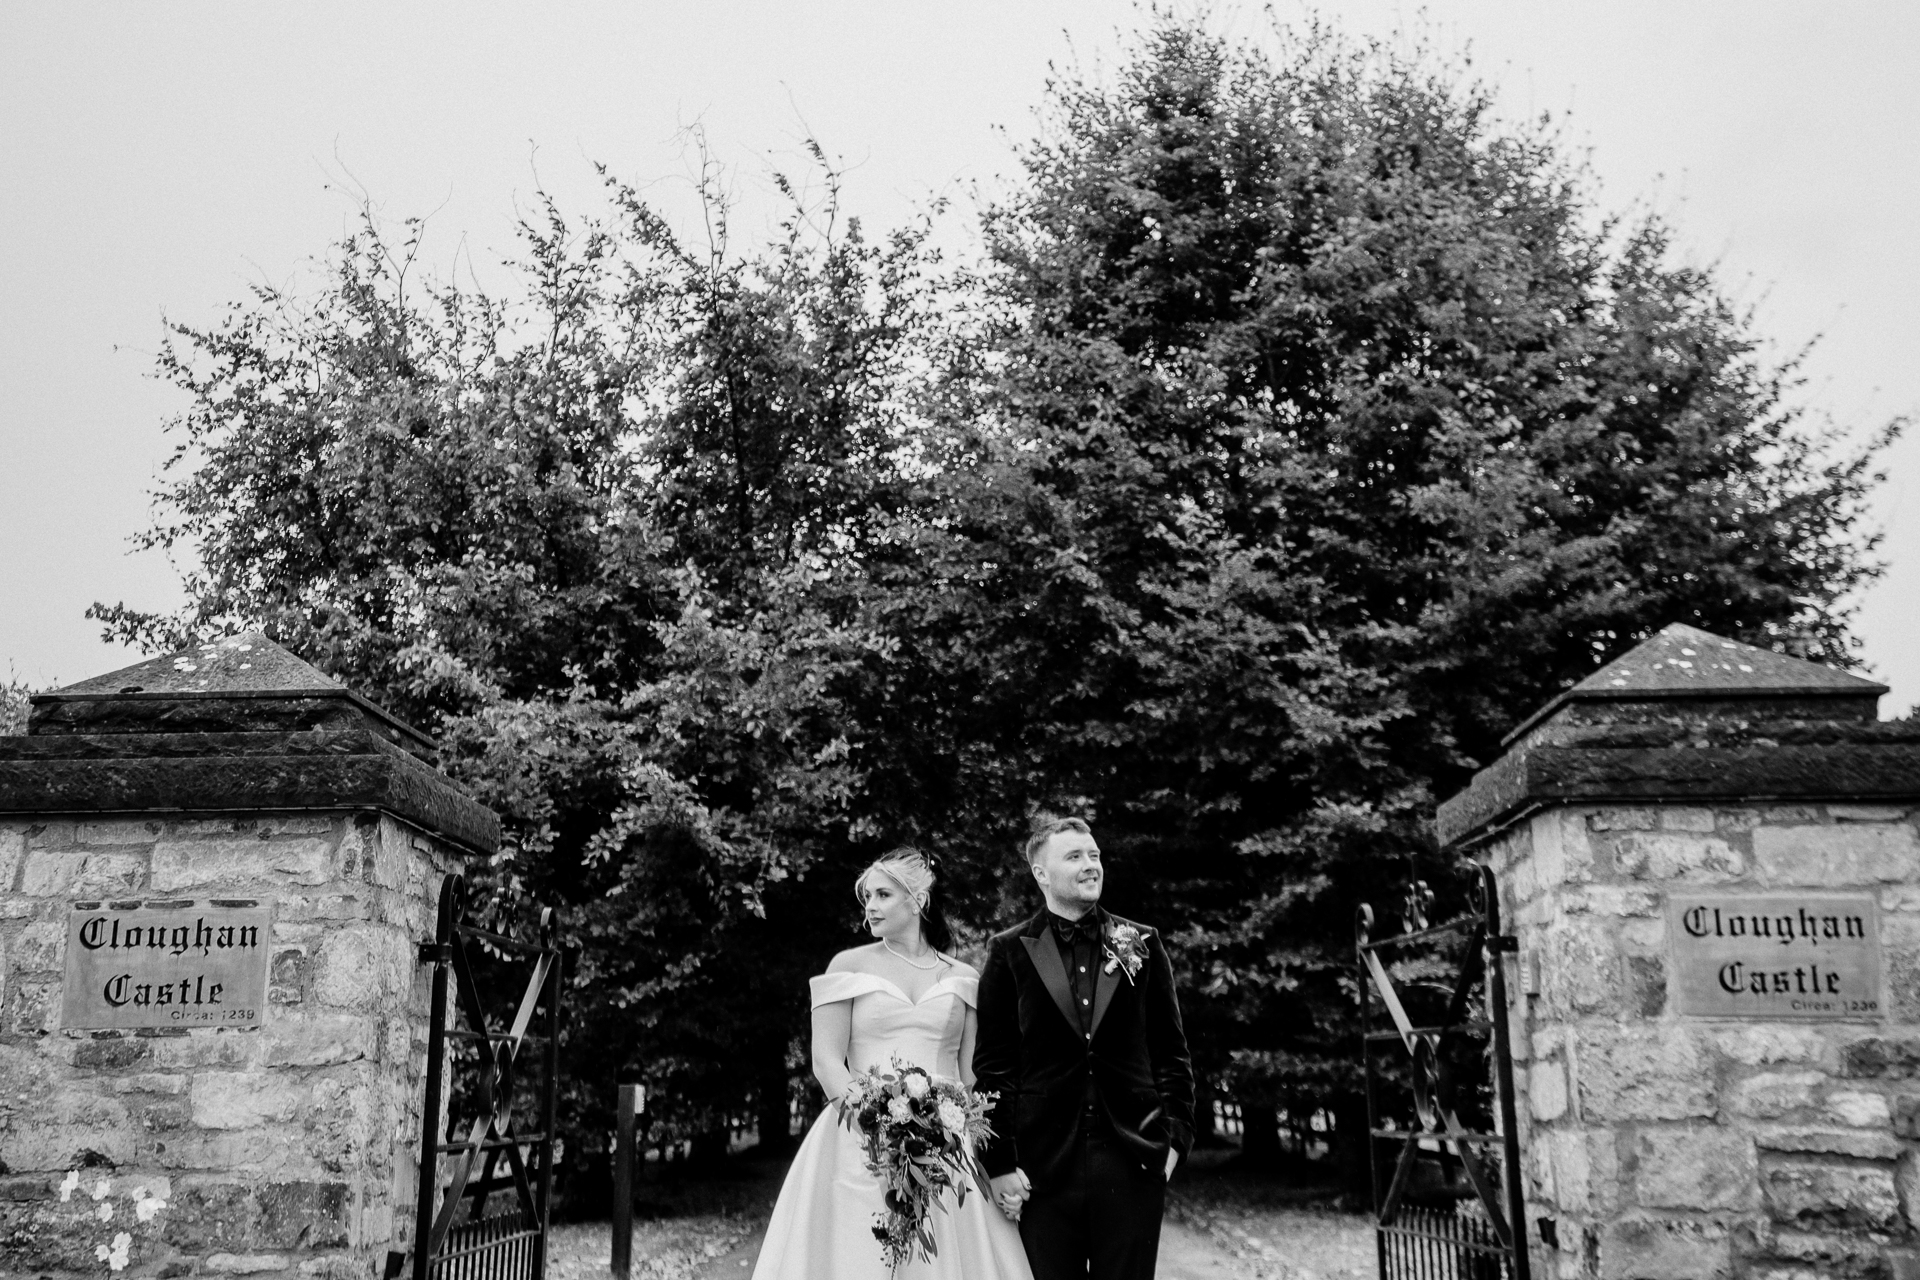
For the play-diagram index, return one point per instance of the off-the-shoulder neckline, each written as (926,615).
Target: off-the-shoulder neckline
(895,987)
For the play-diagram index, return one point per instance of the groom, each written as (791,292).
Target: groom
(1080,1036)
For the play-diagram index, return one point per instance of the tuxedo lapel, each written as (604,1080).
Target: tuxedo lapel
(1044,951)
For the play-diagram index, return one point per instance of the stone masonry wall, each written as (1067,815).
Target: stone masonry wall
(1677,1148)
(282,1150)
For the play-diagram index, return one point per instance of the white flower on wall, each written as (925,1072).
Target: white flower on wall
(116,1257)
(146,1204)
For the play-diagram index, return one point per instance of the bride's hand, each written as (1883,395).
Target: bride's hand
(1010,1192)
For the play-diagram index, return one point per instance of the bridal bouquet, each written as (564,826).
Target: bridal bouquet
(919,1132)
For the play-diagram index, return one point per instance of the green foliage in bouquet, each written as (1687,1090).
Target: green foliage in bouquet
(919,1132)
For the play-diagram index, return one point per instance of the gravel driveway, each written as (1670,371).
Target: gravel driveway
(1198,1243)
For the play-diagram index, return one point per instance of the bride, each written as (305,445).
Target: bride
(899,997)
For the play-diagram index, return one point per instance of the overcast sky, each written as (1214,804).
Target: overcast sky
(160,158)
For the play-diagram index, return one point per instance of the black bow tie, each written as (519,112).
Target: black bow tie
(1085,929)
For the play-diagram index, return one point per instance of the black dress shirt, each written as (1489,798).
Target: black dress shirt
(1080,948)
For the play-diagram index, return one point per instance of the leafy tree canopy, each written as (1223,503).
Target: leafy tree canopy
(1344,431)
(604,535)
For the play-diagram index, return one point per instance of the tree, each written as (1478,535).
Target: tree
(602,536)
(1328,430)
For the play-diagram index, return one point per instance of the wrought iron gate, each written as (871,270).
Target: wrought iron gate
(1440,1111)
(482,1045)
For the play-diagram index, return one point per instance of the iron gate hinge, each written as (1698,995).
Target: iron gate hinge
(1503,942)
(435,952)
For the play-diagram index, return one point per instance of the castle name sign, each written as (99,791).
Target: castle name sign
(1738,955)
(166,964)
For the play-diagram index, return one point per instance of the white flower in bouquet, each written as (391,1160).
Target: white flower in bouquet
(920,1136)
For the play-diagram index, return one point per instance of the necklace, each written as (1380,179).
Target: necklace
(931,964)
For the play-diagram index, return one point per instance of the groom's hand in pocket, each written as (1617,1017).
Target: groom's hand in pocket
(1173,1158)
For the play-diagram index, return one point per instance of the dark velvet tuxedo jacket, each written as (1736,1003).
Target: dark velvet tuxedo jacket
(1031,1051)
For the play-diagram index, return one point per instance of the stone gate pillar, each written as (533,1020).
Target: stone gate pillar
(216,869)
(1709,855)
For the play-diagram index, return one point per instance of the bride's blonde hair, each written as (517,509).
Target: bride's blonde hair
(907,867)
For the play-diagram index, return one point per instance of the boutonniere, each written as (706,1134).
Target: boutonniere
(1126,949)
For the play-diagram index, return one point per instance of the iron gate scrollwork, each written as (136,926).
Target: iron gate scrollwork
(479,1067)
(1447,1197)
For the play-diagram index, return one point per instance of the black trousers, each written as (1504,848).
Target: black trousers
(1102,1223)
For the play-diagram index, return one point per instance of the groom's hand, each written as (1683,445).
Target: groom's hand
(1173,1158)
(1010,1192)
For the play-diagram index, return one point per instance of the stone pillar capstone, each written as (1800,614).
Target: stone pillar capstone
(1709,855)
(216,870)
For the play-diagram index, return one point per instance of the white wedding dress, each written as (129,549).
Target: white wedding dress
(822,1225)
